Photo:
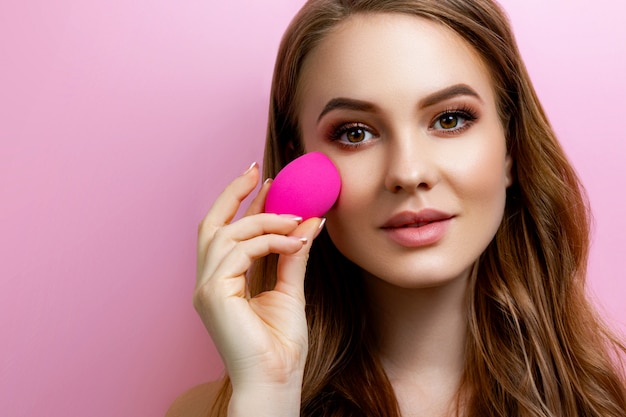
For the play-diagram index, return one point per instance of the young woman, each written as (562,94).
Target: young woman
(449,277)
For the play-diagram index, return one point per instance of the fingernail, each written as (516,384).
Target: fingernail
(268,181)
(301,239)
(294,218)
(320,227)
(250,168)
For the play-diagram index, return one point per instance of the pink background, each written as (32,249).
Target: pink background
(121,121)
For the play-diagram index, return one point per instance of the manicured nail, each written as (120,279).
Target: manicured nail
(268,181)
(300,239)
(320,227)
(250,168)
(294,218)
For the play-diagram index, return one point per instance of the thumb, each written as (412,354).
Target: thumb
(291,268)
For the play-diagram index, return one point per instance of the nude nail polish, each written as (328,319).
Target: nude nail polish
(249,168)
(320,227)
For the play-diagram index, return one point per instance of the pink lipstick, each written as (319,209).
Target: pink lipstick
(416,229)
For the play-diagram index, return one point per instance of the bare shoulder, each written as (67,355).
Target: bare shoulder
(195,402)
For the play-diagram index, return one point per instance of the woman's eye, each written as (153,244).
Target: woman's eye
(356,135)
(352,134)
(453,121)
(449,121)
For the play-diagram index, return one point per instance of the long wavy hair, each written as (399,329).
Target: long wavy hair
(535,345)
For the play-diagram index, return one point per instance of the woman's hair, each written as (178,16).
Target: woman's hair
(535,344)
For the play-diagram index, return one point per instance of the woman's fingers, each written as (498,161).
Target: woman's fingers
(237,245)
(251,226)
(226,238)
(292,267)
(224,209)
(265,337)
(227,203)
(228,279)
(215,294)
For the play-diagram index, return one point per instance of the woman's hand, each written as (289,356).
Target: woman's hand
(262,340)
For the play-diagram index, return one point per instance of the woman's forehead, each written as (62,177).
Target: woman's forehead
(396,54)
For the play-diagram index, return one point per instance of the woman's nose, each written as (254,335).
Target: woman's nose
(411,164)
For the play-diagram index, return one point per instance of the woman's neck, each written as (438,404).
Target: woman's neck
(421,340)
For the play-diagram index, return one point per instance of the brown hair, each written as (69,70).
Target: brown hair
(536,346)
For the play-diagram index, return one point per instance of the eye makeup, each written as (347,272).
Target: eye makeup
(351,135)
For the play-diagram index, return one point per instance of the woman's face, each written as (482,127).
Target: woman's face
(406,110)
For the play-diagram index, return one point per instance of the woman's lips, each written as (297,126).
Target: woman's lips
(415,229)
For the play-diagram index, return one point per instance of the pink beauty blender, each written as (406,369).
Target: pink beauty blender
(307,187)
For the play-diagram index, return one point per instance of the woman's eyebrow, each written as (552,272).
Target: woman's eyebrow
(346,103)
(448,93)
(434,98)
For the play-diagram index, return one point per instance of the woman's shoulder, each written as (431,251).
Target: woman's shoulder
(195,402)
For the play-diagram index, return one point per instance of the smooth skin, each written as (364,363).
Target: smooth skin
(417,128)
(406,110)
(399,148)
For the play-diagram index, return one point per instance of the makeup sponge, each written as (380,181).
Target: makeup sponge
(307,187)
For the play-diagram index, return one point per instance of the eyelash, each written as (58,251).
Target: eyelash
(466,113)
(340,129)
